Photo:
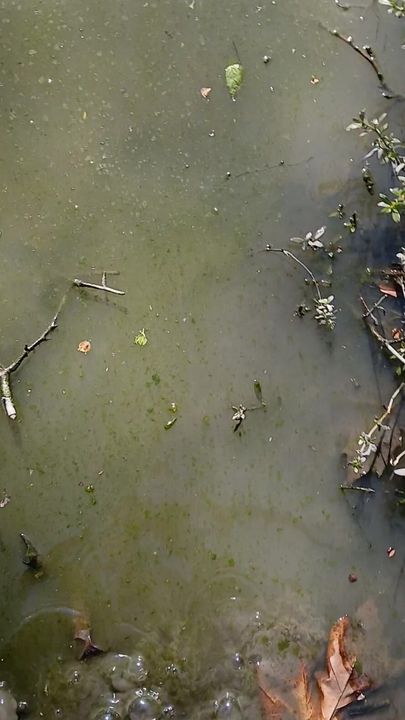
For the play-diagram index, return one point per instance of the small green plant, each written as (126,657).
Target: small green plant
(388,150)
(395,7)
(393,207)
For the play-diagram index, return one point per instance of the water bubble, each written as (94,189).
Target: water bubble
(238,661)
(107,714)
(144,707)
(127,671)
(228,708)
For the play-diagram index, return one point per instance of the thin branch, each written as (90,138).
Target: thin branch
(359,488)
(29,348)
(93,286)
(293,257)
(386,344)
(367,54)
(369,311)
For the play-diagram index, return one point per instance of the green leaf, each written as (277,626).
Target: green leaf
(234,79)
(141,338)
(395,216)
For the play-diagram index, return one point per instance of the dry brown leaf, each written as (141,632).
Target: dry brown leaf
(205,91)
(272,707)
(308,707)
(314,80)
(339,685)
(387,290)
(84,346)
(336,688)
(82,632)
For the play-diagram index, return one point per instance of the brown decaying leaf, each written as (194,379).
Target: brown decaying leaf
(308,707)
(273,708)
(387,290)
(205,91)
(82,632)
(84,346)
(338,686)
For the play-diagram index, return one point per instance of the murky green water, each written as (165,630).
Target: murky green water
(196,543)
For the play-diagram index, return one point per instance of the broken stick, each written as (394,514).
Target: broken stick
(5,372)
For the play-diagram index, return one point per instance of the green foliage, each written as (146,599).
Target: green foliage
(395,7)
(396,206)
(388,150)
(141,338)
(234,79)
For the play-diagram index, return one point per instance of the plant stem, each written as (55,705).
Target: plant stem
(299,262)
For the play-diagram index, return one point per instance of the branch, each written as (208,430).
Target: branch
(29,348)
(6,395)
(93,286)
(5,372)
(367,54)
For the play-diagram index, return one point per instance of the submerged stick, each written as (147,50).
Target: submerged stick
(5,372)
(359,488)
(94,286)
(367,54)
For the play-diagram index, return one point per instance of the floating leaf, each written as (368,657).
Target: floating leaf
(141,338)
(170,423)
(318,233)
(205,91)
(234,79)
(82,632)
(173,408)
(387,290)
(84,346)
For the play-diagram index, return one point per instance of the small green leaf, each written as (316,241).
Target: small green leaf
(170,423)
(234,79)
(395,216)
(141,338)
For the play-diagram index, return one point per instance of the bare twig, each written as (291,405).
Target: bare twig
(367,54)
(369,311)
(5,372)
(94,286)
(359,488)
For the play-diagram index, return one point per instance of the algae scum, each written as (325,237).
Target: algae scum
(191,550)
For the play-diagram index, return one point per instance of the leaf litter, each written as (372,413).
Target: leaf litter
(323,696)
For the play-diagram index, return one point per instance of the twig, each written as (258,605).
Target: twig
(94,286)
(368,55)
(369,311)
(387,411)
(5,372)
(293,257)
(386,344)
(359,488)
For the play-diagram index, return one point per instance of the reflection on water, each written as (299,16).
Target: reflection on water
(174,542)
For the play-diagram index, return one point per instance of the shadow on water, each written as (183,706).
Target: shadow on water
(193,550)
